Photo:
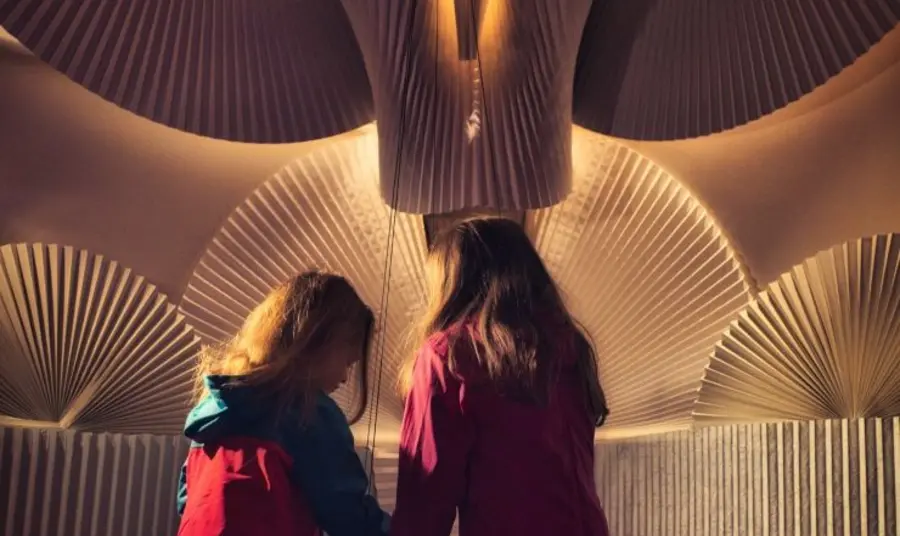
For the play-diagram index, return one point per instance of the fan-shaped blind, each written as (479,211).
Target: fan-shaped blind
(322,211)
(266,72)
(647,271)
(673,69)
(822,341)
(86,343)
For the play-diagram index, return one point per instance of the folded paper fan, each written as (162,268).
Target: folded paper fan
(473,99)
(674,69)
(649,274)
(87,344)
(322,212)
(823,341)
(269,71)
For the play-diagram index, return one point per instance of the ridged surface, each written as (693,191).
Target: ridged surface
(64,483)
(673,69)
(648,273)
(254,71)
(86,343)
(424,95)
(322,211)
(822,478)
(823,341)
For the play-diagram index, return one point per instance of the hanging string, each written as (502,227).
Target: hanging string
(389,253)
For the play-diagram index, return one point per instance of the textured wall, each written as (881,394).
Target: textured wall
(65,483)
(830,478)
(798,478)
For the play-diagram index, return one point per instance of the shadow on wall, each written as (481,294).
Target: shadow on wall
(610,52)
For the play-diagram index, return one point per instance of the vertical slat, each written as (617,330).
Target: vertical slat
(819,478)
(65,483)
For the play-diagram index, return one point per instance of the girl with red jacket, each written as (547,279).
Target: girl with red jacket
(502,398)
(271,453)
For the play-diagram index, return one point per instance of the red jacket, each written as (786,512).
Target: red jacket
(509,468)
(255,471)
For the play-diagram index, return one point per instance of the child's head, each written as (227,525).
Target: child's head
(304,337)
(485,265)
(486,270)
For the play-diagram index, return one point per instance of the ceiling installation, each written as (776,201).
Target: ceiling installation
(474,103)
(87,344)
(823,341)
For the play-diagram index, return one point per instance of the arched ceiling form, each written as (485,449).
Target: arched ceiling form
(322,211)
(88,344)
(76,169)
(821,342)
(424,91)
(674,69)
(648,273)
(822,171)
(242,70)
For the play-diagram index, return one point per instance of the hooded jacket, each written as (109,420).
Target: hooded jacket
(507,467)
(250,471)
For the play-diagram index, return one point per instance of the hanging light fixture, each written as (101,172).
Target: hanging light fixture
(484,87)
(469,18)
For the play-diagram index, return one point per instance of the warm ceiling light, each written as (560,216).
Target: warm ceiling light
(473,100)
(469,18)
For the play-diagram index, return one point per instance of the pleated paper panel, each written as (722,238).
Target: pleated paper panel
(88,344)
(810,478)
(650,275)
(468,131)
(823,341)
(267,71)
(324,212)
(673,69)
(65,483)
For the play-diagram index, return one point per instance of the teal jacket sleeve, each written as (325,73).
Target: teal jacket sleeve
(331,475)
(182,489)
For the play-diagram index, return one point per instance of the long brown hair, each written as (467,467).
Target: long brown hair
(279,345)
(487,270)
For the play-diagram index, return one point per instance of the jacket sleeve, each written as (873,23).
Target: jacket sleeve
(181,500)
(435,440)
(331,475)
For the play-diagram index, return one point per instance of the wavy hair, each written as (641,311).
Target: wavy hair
(279,345)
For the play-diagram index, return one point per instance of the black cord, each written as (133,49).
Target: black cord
(389,255)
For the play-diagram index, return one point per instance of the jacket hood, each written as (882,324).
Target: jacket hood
(230,409)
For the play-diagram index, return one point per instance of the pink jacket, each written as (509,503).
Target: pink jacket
(509,468)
